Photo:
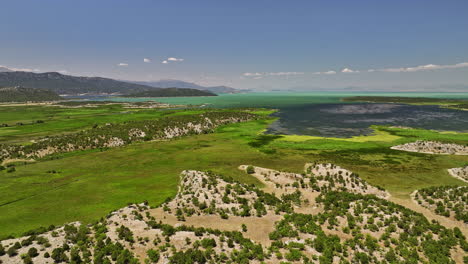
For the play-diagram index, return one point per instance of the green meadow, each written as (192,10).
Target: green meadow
(87,185)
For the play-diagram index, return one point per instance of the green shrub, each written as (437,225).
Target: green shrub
(250,169)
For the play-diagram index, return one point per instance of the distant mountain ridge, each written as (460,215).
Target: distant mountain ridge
(21,94)
(76,85)
(5,69)
(168,83)
(172,92)
(66,84)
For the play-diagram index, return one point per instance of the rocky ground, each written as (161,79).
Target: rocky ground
(459,173)
(316,178)
(325,215)
(433,147)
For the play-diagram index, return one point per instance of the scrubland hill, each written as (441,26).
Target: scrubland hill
(21,94)
(348,225)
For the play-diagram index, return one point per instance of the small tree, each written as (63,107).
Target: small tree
(250,169)
(12,252)
(32,252)
(244,228)
(58,255)
(27,260)
(153,255)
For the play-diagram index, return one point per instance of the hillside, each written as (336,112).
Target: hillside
(20,94)
(66,84)
(182,84)
(172,92)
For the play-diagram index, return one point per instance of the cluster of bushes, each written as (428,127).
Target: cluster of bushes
(243,200)
(82,245)
(335,179)
(243,249)
(445,200)
(392,232)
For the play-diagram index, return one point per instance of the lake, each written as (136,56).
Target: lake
(324,114)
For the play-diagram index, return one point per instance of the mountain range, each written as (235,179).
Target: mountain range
(66,84)
(168,83)
(172,92)
(74,85)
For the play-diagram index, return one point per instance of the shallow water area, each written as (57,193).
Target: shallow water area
(347,120)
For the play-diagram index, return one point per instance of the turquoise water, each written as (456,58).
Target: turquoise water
(324,114)
(275,99)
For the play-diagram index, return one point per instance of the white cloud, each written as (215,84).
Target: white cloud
(427,67)
(259,75)
(251,74)
(325,73)
(424,68)
(122,64)
(348,70)
(172,59)
(63,71)
(284,73)
(146,60)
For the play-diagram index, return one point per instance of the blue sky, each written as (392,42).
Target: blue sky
(376,45)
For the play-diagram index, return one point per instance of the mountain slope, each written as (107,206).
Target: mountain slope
(171,92)
(20,94)
(5,69)
(181,84)
(66,84)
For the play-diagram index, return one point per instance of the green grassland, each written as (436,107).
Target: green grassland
(60,120)
(89,184)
